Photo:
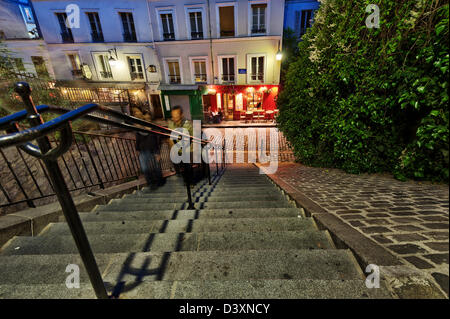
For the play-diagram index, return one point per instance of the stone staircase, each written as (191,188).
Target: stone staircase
(245,239)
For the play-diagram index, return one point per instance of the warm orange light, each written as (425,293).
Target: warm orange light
(263,89)
(250,89)
(275,90)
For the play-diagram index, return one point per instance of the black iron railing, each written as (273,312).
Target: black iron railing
(52,155)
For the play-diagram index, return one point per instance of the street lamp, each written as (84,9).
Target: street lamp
(279,55)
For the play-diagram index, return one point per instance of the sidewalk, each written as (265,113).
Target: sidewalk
(408,219)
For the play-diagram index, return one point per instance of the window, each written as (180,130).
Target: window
(129,33)
(66,33)
(228,72)
(259,18)
(75,64)
(196,23)
(254,99)
(305,20)
(226,18)
(199,68)
(173,67)
(136,68)
(39,65)
(167,26)
(105,68)
(256,69)
(96,28)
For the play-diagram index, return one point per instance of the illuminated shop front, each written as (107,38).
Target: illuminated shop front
(233,100)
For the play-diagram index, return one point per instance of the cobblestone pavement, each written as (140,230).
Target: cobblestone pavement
(410,218)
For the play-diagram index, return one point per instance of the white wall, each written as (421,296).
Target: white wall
(11,21)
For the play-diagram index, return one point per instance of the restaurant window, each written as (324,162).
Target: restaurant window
(196,24)
(173,67)
(129,32)
(96,27)
(254,99)
(39,65)
(66,33)
(199,68)
(259,18)
(226,19)
(227,65)
(167,26)
(136,68)
(105,68)
(257,69)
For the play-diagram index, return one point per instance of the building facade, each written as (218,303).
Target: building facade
(218,54)
(299,15)
(199,54)
(24,49)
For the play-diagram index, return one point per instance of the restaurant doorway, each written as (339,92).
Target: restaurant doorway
(156,104)
(228,106)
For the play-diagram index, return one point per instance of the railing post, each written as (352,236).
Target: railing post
(65,199)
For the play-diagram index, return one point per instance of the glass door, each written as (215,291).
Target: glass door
(228,106)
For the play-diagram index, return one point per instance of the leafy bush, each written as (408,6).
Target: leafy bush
(371,100)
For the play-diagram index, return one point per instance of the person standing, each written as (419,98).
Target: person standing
(148,145)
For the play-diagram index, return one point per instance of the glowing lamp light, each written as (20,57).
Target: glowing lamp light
(64,91)
(250,89)
(113,62)
(263,89)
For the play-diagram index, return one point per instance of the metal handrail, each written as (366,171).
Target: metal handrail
(39,130)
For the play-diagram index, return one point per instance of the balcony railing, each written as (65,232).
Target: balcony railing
(200,77)
(67,37)
(174,79)
(129,37)
(77,73)
(137,76)
(97,37)
(256,30)
(228,78)
(169,36)
(196,35)
(257,76)
(106,75)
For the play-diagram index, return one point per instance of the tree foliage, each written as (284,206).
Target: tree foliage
(372,100)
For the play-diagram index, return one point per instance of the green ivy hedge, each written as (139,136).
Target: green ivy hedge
(371,100)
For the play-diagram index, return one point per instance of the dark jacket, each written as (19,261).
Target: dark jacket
(148,142)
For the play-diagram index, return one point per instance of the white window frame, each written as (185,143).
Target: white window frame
(166,69)
(118,11)
(166,10)
(219,63)
(226,4)
(191,63)
(195,8)
(250,17)
(97,66)
(249,66)
(136,55)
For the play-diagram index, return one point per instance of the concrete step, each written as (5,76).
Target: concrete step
(211,192)
(197,198)
(255,213)
(194,266)
(124,206)
(213,289)
(165,242)
(186,225)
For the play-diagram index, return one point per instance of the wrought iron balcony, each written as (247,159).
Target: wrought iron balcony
(97,37)
(129,37)
(196,35)
(67,37)
(174,79)
(256,30)
(105,74)
(200,77)
(136,76)
(169,36)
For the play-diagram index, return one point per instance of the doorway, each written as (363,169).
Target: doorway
(228,106)
(156,104)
